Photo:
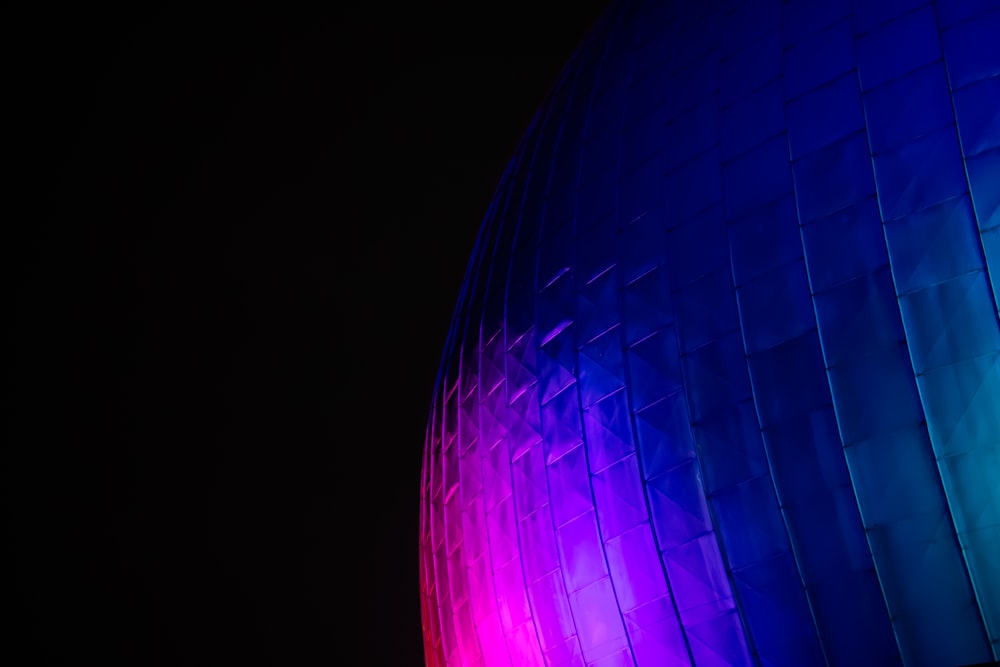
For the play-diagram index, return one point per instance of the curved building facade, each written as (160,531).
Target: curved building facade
(723,383)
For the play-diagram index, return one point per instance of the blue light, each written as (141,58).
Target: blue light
(723,384)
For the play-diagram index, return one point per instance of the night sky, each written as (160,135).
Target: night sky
(235,242)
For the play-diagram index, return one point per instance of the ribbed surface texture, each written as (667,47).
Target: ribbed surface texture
(723,383)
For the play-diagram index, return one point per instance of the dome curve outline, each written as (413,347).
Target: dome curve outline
(723,383)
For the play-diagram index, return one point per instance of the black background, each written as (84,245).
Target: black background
(235,240)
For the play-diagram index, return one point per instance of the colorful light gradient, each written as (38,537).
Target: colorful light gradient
(723,383)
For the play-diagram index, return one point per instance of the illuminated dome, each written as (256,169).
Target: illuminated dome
(723,383)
